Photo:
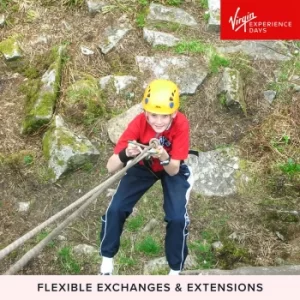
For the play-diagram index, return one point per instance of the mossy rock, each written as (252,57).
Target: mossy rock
(10,49)
(41,96)
(66,151)
(85,101)
(231,254)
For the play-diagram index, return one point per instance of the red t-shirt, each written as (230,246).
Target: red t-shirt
(175,140)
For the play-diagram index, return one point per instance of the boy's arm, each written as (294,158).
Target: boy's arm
(123,151)
(179,152)
(116,161)
(173,167)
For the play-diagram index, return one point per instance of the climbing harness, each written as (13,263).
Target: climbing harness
(88,198)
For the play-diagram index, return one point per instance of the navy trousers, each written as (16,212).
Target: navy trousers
(133,185)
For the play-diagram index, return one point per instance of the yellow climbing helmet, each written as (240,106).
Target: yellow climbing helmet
(161,97)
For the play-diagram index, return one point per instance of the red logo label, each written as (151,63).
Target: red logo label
(260,20)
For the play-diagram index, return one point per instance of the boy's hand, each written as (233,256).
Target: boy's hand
(162,154)
(132,150)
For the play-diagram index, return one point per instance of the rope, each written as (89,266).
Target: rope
(92,195)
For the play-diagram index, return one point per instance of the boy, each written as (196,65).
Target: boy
(160,120)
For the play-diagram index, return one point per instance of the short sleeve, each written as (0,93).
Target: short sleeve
(181,140)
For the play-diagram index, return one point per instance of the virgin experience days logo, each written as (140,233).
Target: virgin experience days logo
(246,22)
(240,22)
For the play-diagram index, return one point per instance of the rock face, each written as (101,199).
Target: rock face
(95,6)
(118,124)
(10,49)
(231,89)
(40,107)
(159,12)
(280,270)
(65,150)
(2,20)
(187,72)
(157,38)
(260,50)
(270,95)
(214,172)
(114,34)
(120,82)
(157,265)
(214,15)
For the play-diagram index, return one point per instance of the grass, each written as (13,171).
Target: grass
(143,2)
(183,103)
(73,3)
(190,47)
(286,71)
(28,159)
(148,246)
(43,234)
(174,2)
(68,263)
(203,3)
(133,224)
(215,60)
(206,17)
(3,5)
(290,168)
(127,262)
(168,26)
(205,257)
(140,19)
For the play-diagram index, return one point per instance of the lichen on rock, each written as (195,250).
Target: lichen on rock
(10,48)
(65,150)
(40,104)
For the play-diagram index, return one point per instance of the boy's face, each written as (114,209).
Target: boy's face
(159,123)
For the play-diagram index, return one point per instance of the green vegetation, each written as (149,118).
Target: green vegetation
(67,262)
(190,47)
(41,100)
(282,84)
(216,61)
(19,159)
(203,3)
(133,224)
(183,103)
(231,253)
(143,2)
(148,246)
(174,2)
(3,5)
(174,27)
(205,256)
(66,3)
(140,20)
(206,17)
(73,3)
(127,262)
(42,235)
(28,159)
(291,167)
(31,15)
(85,101)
